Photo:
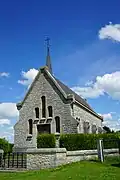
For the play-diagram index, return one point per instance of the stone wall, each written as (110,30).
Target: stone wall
(42,87)
(53,157)
(45,158)
(85,116)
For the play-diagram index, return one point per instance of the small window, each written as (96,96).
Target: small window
(94,129)
(100,130)
(78,127)
(86,127)
(43,106)
(57,120)
(37,112)
(50,113)
(30,126)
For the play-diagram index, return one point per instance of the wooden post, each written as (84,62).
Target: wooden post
(100,150)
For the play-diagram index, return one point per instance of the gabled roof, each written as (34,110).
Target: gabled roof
(77,97)
(65,90)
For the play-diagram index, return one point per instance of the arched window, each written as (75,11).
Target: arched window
(57,121)
(43,106)
(30,126)
(86,127)
(50,112)
(100,130)
(37,112)
(78,128)
(94,129)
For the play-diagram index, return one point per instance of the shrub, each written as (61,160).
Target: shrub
(10,147)
(4,144)
(87,141)
(46,141)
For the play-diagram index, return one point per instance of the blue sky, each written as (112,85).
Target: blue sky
(84,51)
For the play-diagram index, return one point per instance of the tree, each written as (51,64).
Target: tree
(4,144)
(107,129)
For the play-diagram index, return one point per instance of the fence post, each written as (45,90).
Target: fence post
(8,159)
(100,150)
(1,157)
(17,159)
(57,144)
(12,159)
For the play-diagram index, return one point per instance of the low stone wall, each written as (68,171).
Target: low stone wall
(74,156)
(45,158)
(53,157)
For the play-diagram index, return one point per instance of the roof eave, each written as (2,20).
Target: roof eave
(92,112)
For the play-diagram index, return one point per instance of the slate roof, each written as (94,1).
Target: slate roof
(67,90)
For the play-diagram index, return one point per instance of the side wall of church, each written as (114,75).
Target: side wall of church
(84,116)
(43,87)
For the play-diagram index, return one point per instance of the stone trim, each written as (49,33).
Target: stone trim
(70,96)
(46,150)
(44,69)
(91,152)
(92,112)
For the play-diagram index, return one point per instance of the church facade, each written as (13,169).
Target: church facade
(51,107)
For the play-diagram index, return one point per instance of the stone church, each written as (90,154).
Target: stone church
(51,107)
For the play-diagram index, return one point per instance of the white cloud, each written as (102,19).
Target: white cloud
(108,83)
(28,77)
(4,122)
(110,31)
(112,121)
(8,110)
(88,92)
(7,135)
(112,124)
(4,74)
(107,116)
(11,128)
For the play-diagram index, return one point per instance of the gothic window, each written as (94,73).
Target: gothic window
(43,106)
(37,112)
(99,130)
(30,126)
(72,110)
(94,129)
(57,121)
(86,127)
(50,112)
(78,127)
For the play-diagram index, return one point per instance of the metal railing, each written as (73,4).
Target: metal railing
(13,160)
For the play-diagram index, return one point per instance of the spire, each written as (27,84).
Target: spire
(48,60)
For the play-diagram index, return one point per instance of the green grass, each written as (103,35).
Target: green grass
(84,170)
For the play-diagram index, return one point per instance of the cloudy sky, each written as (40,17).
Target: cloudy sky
(85,53)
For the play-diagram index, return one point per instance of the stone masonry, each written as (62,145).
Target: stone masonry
(74,113)
(42,87)
(53,157)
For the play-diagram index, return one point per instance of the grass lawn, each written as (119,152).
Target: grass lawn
(110,170)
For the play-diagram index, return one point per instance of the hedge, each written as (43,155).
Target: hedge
(4,144)
(46,141)
(87,141)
